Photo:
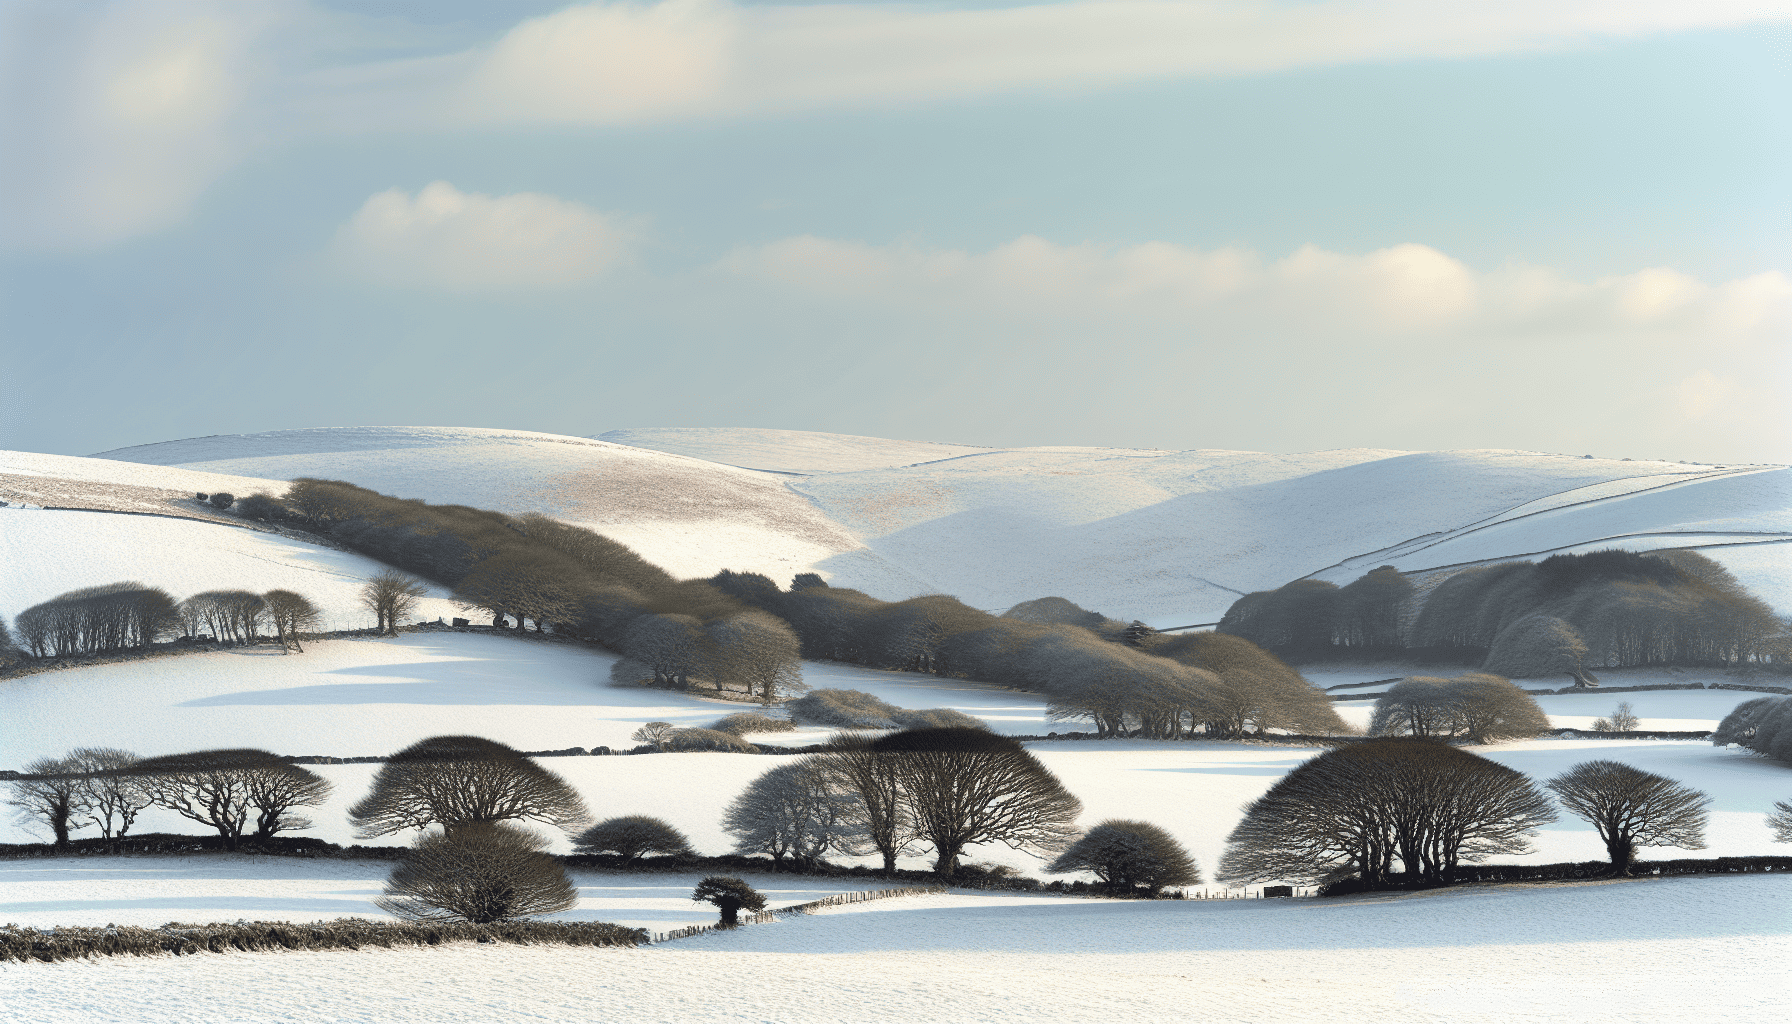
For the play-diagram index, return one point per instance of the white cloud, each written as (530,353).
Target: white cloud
(606,62)
(116,118)
(443,238)
(1404,291)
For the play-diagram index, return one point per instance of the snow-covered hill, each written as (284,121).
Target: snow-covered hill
(1170,537)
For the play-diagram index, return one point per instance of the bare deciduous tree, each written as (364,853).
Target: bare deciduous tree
(114,796)
(479,873)
(1623,720)
(1476,706)
(1630,807)
(654,733)
(968,786)
(1358,808)
(454,781)
(50,793)
(222,789)
(1126,854)
(879,814)
(391,595)
(291,614)
(1781,821)
(632,837)
(795,811)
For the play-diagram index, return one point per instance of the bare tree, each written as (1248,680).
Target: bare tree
(671,645)
(730,895)
(1630,807)
(792,810)
(454,781)
(880,814)
(1623,720)
(478,873)
(1763,725)
(391,595)
(1358,808)
(291,614)
(654,733)
(632,837)
(222,789)
(756,651)
(1126,854)
(51,792)
(1781,821)
(114,797)
(1476,706)
(969,786)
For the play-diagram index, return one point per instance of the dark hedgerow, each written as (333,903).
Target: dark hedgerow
(48,946)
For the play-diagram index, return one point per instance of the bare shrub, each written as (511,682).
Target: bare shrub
(654,733)
(632,837)
(479,873)
(1763,725)
(1127,854)
(843,709)
(690,740)
(743,723)
(454,781)
(1623,720)
(1476,706)
(937,718)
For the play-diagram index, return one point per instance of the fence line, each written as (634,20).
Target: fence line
(767,916)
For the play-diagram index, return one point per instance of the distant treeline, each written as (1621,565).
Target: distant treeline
(1127,680)
(124,616)
(1610,608)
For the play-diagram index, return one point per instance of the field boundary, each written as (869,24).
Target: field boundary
(768,916)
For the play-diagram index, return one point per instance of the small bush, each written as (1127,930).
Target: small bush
(223,500)
(478,873)
(632,837)
(937,718)
(730,895)
(743,722)
(686,740)
(843,709)
(264,507)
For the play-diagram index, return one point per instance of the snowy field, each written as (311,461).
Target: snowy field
(1692,950)
(1168,537)
(368,697)
(47,553)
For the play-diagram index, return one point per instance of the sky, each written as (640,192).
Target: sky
(1268,226)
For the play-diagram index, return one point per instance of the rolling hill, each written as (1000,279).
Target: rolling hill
(1169,537)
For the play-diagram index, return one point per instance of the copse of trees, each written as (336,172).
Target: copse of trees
(1523,619)
(106,618)
(793,810)
(1358,809)
(90,786)
(1476,707)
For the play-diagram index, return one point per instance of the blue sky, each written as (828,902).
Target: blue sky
(1278,227)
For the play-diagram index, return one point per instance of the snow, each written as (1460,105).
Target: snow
(1666,951)
(100,469)
(787,451)
(361,697)
(48,553)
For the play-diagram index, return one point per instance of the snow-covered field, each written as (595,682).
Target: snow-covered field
(357,697)
(1690,950)
(46,553)
(1168,537)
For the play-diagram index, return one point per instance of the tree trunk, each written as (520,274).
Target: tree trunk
(1620,851)
(730,915)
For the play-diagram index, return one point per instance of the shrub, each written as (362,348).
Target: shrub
(223,500)
(937,718)
(1127,854)
(1763,725)
(729,894)
(264,507)
(742,723)
(688,740)
(632,837)
(479,874)
(843,709)
(1623,720)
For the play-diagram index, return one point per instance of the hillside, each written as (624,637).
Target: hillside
(1170,537)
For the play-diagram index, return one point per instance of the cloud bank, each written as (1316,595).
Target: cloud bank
(446,239)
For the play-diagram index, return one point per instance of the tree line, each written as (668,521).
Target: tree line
(131,616)
(1610,608)
(1374,813)
(1125,680)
